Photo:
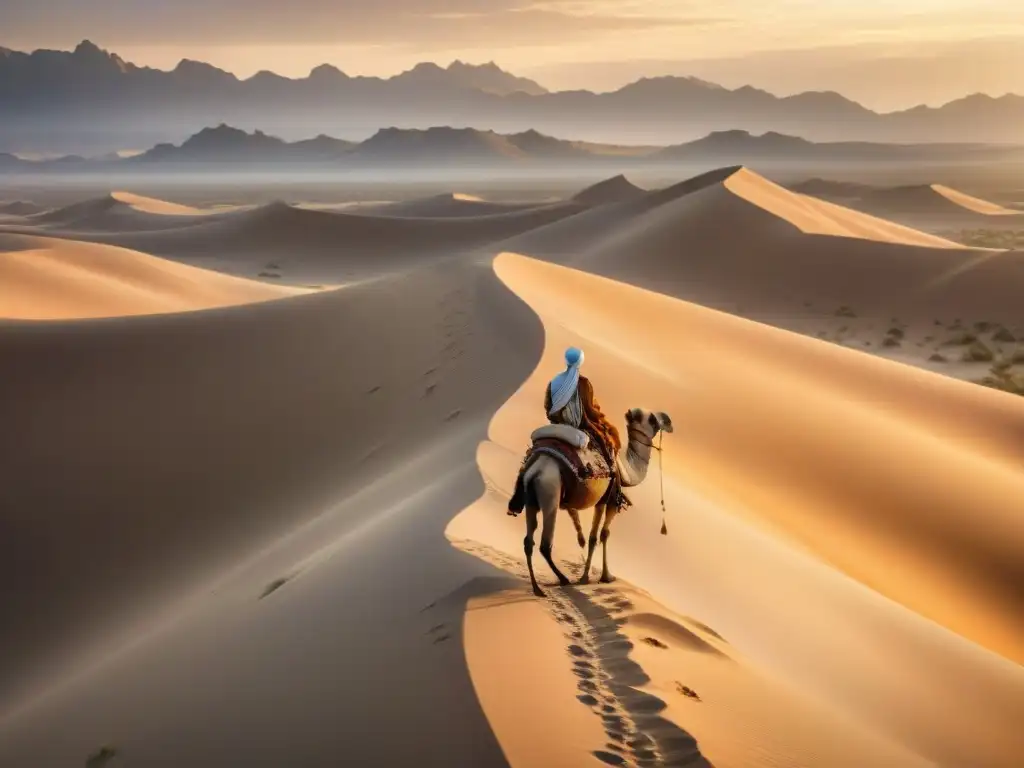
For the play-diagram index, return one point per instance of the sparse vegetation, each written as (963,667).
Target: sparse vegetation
(984,326)
(978,352)
(1017,357)
(1003,334)
(101,757)
(891,341)
(1006,239)
(845,311)
(1004,382)
(961,339)
(270,274)
(938,358)
(895,332)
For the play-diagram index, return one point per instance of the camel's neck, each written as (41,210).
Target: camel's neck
(634,459)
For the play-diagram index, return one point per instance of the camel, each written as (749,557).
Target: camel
(543,486)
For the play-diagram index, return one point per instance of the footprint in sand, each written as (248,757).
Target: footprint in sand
(688,692)
(272,587)
(101,757)
(610,758)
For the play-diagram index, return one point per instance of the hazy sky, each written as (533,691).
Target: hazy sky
(885,53)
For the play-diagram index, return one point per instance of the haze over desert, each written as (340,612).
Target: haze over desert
(265,402)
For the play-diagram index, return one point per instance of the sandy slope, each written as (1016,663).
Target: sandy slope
(322,443)
(45,278)
(324,246)
(19,208)
(614,190)
(453,204)
(734,241)
(935,207)
(794,515)
(119,211)
(973,203)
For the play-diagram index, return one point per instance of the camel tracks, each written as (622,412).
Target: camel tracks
(608,680)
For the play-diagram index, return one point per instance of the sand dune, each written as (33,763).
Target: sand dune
(327,246)
(733,240)
(613,190)
(46,278)
(795,462)
(206,514)
(19,208)
(119,211)
(973,203)
(453,204)
(934,206)
(233,435)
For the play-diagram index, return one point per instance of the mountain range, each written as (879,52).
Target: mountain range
(224,148)
(90,100)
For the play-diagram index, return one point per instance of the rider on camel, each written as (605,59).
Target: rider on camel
(569,399)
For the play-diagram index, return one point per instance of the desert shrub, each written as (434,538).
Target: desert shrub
(1003,334)
(960,340)
(891,341)
(978,353)
(938,358)
(895,332)
(1005,383)
(984,326)
(845,311)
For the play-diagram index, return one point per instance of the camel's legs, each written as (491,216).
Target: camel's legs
(610,514)
(547,537)
(531,528)
(595,526)
(575,515)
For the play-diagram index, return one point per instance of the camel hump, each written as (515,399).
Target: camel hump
(577,438)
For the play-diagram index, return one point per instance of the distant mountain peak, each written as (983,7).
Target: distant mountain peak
(88,48)
(327,72)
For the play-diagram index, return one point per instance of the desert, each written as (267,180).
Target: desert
(260,435)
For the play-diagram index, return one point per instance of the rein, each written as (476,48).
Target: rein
(633,433)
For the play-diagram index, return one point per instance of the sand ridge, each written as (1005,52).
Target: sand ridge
(47,278)
(119,211)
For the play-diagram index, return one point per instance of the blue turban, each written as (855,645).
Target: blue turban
(563,386)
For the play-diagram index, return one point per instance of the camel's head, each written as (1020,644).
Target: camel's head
(649,422)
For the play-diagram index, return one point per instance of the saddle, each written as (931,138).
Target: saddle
(571,448)
(577,460)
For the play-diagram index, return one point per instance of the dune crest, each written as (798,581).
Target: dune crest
(120,211)
(817,217)
(614,190)
(975,204)
(45,279)
(152,205)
